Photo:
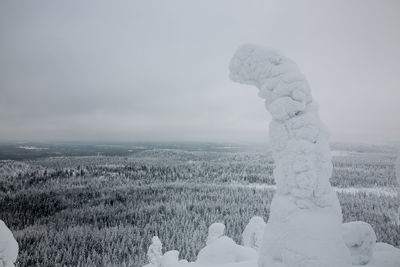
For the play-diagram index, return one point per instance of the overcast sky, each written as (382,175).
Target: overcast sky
(158,70)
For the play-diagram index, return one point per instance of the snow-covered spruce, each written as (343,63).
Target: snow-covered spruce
(215,231)
(8,247)
(304,228)
(154,253)
(253,232)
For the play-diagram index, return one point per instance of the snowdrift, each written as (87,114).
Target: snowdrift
(224,252)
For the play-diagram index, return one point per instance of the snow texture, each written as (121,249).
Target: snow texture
(215,231)
(304,228)
(360,238)
(385,255)
(8,247)
(224,250)
(154,253)
(253,232)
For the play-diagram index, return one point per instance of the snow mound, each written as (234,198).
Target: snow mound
(253,232)
(215,231)
(8,246)
(171,259)
(360,238)
(224,250)
(385,255)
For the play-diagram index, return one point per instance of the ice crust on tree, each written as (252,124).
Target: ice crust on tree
(304,228)
(215,231)
(253,232)
(8,247)
(360,238)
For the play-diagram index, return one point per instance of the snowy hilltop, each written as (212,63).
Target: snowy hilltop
(305,226)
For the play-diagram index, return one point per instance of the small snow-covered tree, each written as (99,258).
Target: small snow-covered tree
(253,233)
(360,239)
(215,231)
(154,253)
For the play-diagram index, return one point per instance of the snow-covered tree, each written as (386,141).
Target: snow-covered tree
(215,231)
(360,238)
(253,232)
(304,227)
(154,253)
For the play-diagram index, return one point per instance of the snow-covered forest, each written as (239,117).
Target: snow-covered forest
(178,133)
(104,210)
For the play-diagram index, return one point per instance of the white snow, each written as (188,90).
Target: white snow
(8,247)
(340,153)
(215,231)
(170,258)
(305,218)
(378,191)
(224,250)
(305,223)
(32,148)
(385,255)
(360,238)
(154,253)
(253,232)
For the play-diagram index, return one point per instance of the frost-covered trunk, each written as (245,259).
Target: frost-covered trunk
(304,228)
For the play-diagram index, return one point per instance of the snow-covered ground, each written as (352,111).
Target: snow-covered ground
(222,251)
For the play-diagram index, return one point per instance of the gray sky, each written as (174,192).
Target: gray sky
(158,70)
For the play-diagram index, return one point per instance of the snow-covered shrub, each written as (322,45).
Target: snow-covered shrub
(360,238)
(253,233)
(8,247)
(215,231)
(224,250)
(154,254)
